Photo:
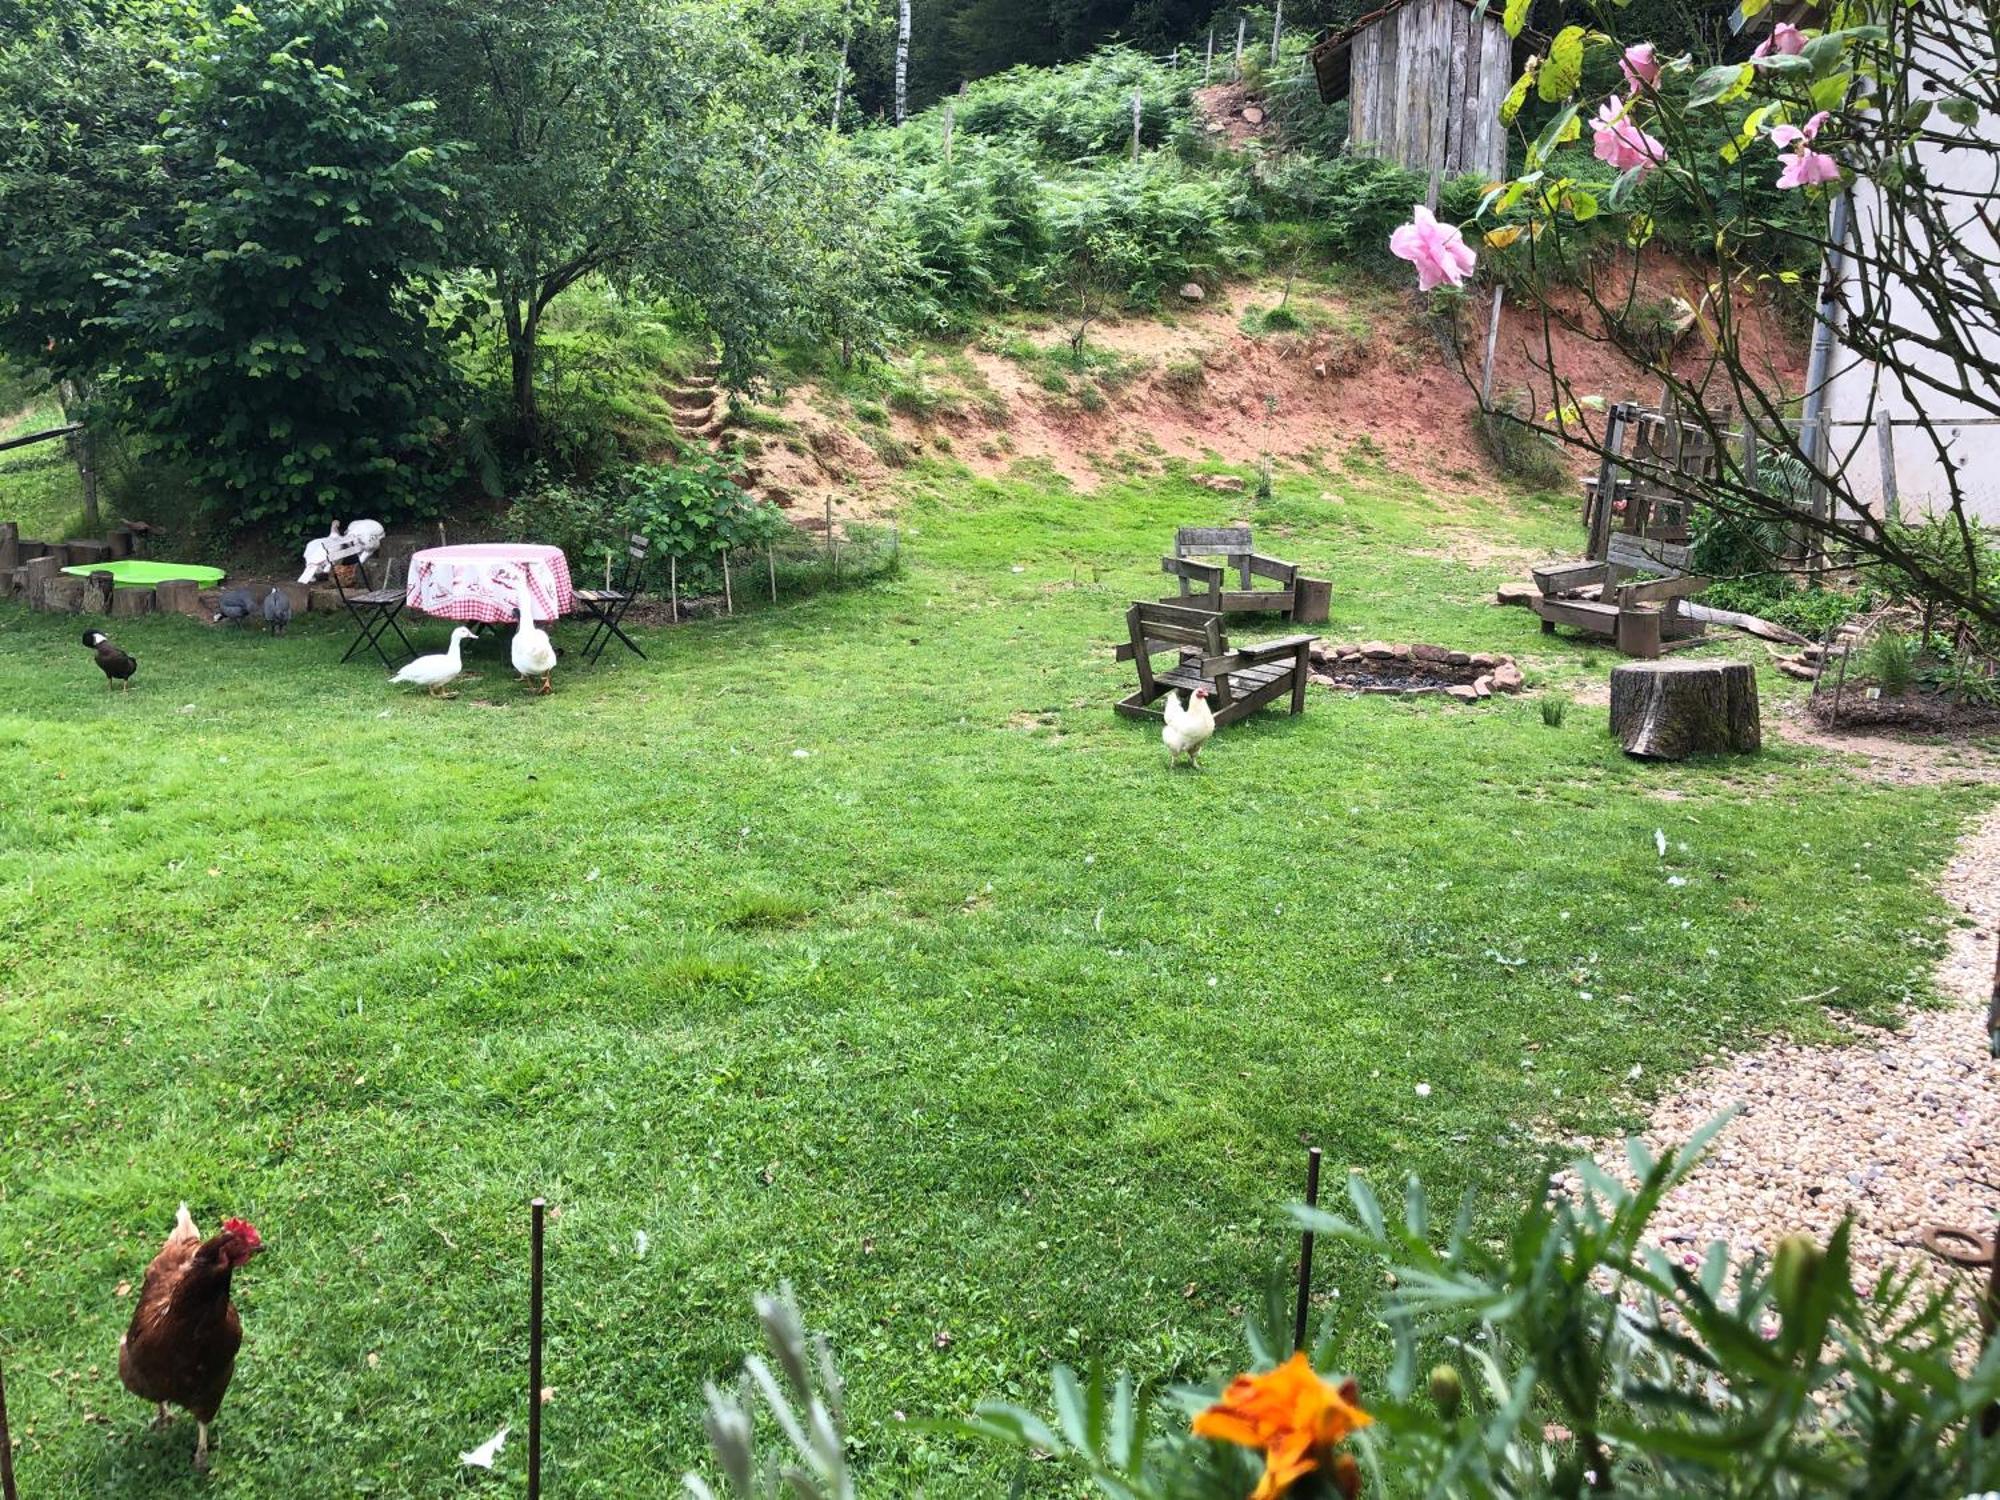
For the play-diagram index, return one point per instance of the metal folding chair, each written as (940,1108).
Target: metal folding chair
(374,611)
(606,607)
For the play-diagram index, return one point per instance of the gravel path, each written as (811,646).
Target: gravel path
(1898,1128)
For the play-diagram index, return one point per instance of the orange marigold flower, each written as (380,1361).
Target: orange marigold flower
(1296,1418)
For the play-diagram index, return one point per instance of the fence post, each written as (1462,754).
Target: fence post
(1138,111)
(535,1350)
(674,589)
(947,133)
(771,562)
(1277,30)
(1492,343)
(7,1489)
(728,598)
(1208,63)
(1886,434)
(1242,23)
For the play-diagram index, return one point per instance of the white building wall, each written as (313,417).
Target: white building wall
(1859,392)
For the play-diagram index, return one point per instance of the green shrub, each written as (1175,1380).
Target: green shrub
(1555,709)
(1519,451)
(1186,378)
(1891,661)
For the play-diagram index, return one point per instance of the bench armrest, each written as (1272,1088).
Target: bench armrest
(1271,567)
(1192,571)
(1257,655)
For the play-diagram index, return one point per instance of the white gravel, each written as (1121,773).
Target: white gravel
(1898,1128)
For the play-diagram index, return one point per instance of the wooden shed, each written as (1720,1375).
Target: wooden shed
(1423,80)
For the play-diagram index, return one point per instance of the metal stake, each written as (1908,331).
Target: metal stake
(7,1490)
(1306,1253)
(535,1355)
(771,562)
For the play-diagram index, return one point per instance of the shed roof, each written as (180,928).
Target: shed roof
(1331,65)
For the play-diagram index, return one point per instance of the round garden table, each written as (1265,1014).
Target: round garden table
(479,581)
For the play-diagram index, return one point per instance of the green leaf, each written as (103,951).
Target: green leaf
(1550,137)
(1960,111)
(1751,9)
(1719,85)
(1366,1208)
(1517,96)
(1562,70)
(1515,16)
(1824,53)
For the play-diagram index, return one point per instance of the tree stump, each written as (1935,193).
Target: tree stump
(97,589)
(40,570)
(127,602)
(63,594)
(1669,710)
(177,596)
(10,546)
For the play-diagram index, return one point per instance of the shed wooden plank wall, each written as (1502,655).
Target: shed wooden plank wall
(1426,84)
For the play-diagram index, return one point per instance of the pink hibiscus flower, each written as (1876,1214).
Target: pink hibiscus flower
(1620,144)
(1785,40)
(1438,251)
(1640,67)
(1788,135)
(1805,168)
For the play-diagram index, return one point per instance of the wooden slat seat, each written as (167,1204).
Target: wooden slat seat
(1240,680)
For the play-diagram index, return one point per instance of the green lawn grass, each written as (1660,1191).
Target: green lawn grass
(853,942)
(39,485)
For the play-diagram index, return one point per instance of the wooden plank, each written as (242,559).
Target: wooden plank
(1455,121)
(1556,578)
(1602,618)
(10,546)
(1204,539)
(1631,551)
(1660,589)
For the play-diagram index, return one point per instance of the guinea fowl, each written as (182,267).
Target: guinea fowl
(277,611)
(180,1349)
(235,604)
(115,664)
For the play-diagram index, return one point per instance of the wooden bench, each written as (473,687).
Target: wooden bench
(1206,584)
(1240,681)
(1643,617)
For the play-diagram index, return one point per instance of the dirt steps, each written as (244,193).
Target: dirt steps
(701,415)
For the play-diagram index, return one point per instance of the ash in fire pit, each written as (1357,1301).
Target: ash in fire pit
(1376,667)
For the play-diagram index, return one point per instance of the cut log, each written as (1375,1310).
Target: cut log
(121,540)
(1669,710)
(89,552)
(127,602)
(1755,624)
(40,570)
(63,594)
(177,596)
(97,593)
(10,546)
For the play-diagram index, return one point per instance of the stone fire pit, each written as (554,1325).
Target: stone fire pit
(1380,667)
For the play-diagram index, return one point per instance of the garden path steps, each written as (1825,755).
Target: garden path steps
(701,415)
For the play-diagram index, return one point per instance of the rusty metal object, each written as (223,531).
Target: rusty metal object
(1971,1251)
(1993,1007)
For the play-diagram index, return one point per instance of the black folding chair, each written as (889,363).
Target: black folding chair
(606,607)
(375,611)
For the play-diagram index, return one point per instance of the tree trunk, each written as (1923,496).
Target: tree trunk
(902,60)
(521,331)
(1669,710)
(840,74)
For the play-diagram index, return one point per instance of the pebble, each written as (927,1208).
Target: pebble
(1897,1127)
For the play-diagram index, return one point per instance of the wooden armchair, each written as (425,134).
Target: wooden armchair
(1240,681)
(1641,618)
(1205,584)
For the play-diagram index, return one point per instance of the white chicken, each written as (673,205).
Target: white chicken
(433,672)
(1187,729)
(534,652)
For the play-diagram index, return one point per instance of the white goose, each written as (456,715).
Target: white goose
(433,672)
(534,652)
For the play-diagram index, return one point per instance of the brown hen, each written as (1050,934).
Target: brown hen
(181,1347)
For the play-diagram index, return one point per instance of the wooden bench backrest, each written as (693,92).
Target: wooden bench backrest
(1630,551)
(1164,627)
(1209,541)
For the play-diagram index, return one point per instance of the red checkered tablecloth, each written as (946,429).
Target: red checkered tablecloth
(479,581)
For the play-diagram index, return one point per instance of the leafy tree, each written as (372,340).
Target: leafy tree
(661,142)
(277,336)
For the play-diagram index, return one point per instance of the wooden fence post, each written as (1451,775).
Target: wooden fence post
(771,562)
(1242,23)
(728,598)
(1208,63)
(1277,30)
(1886,436)
(1492,343)
(10,546)
(947,132)
(1138,113)
(7,1490)
(674,589)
